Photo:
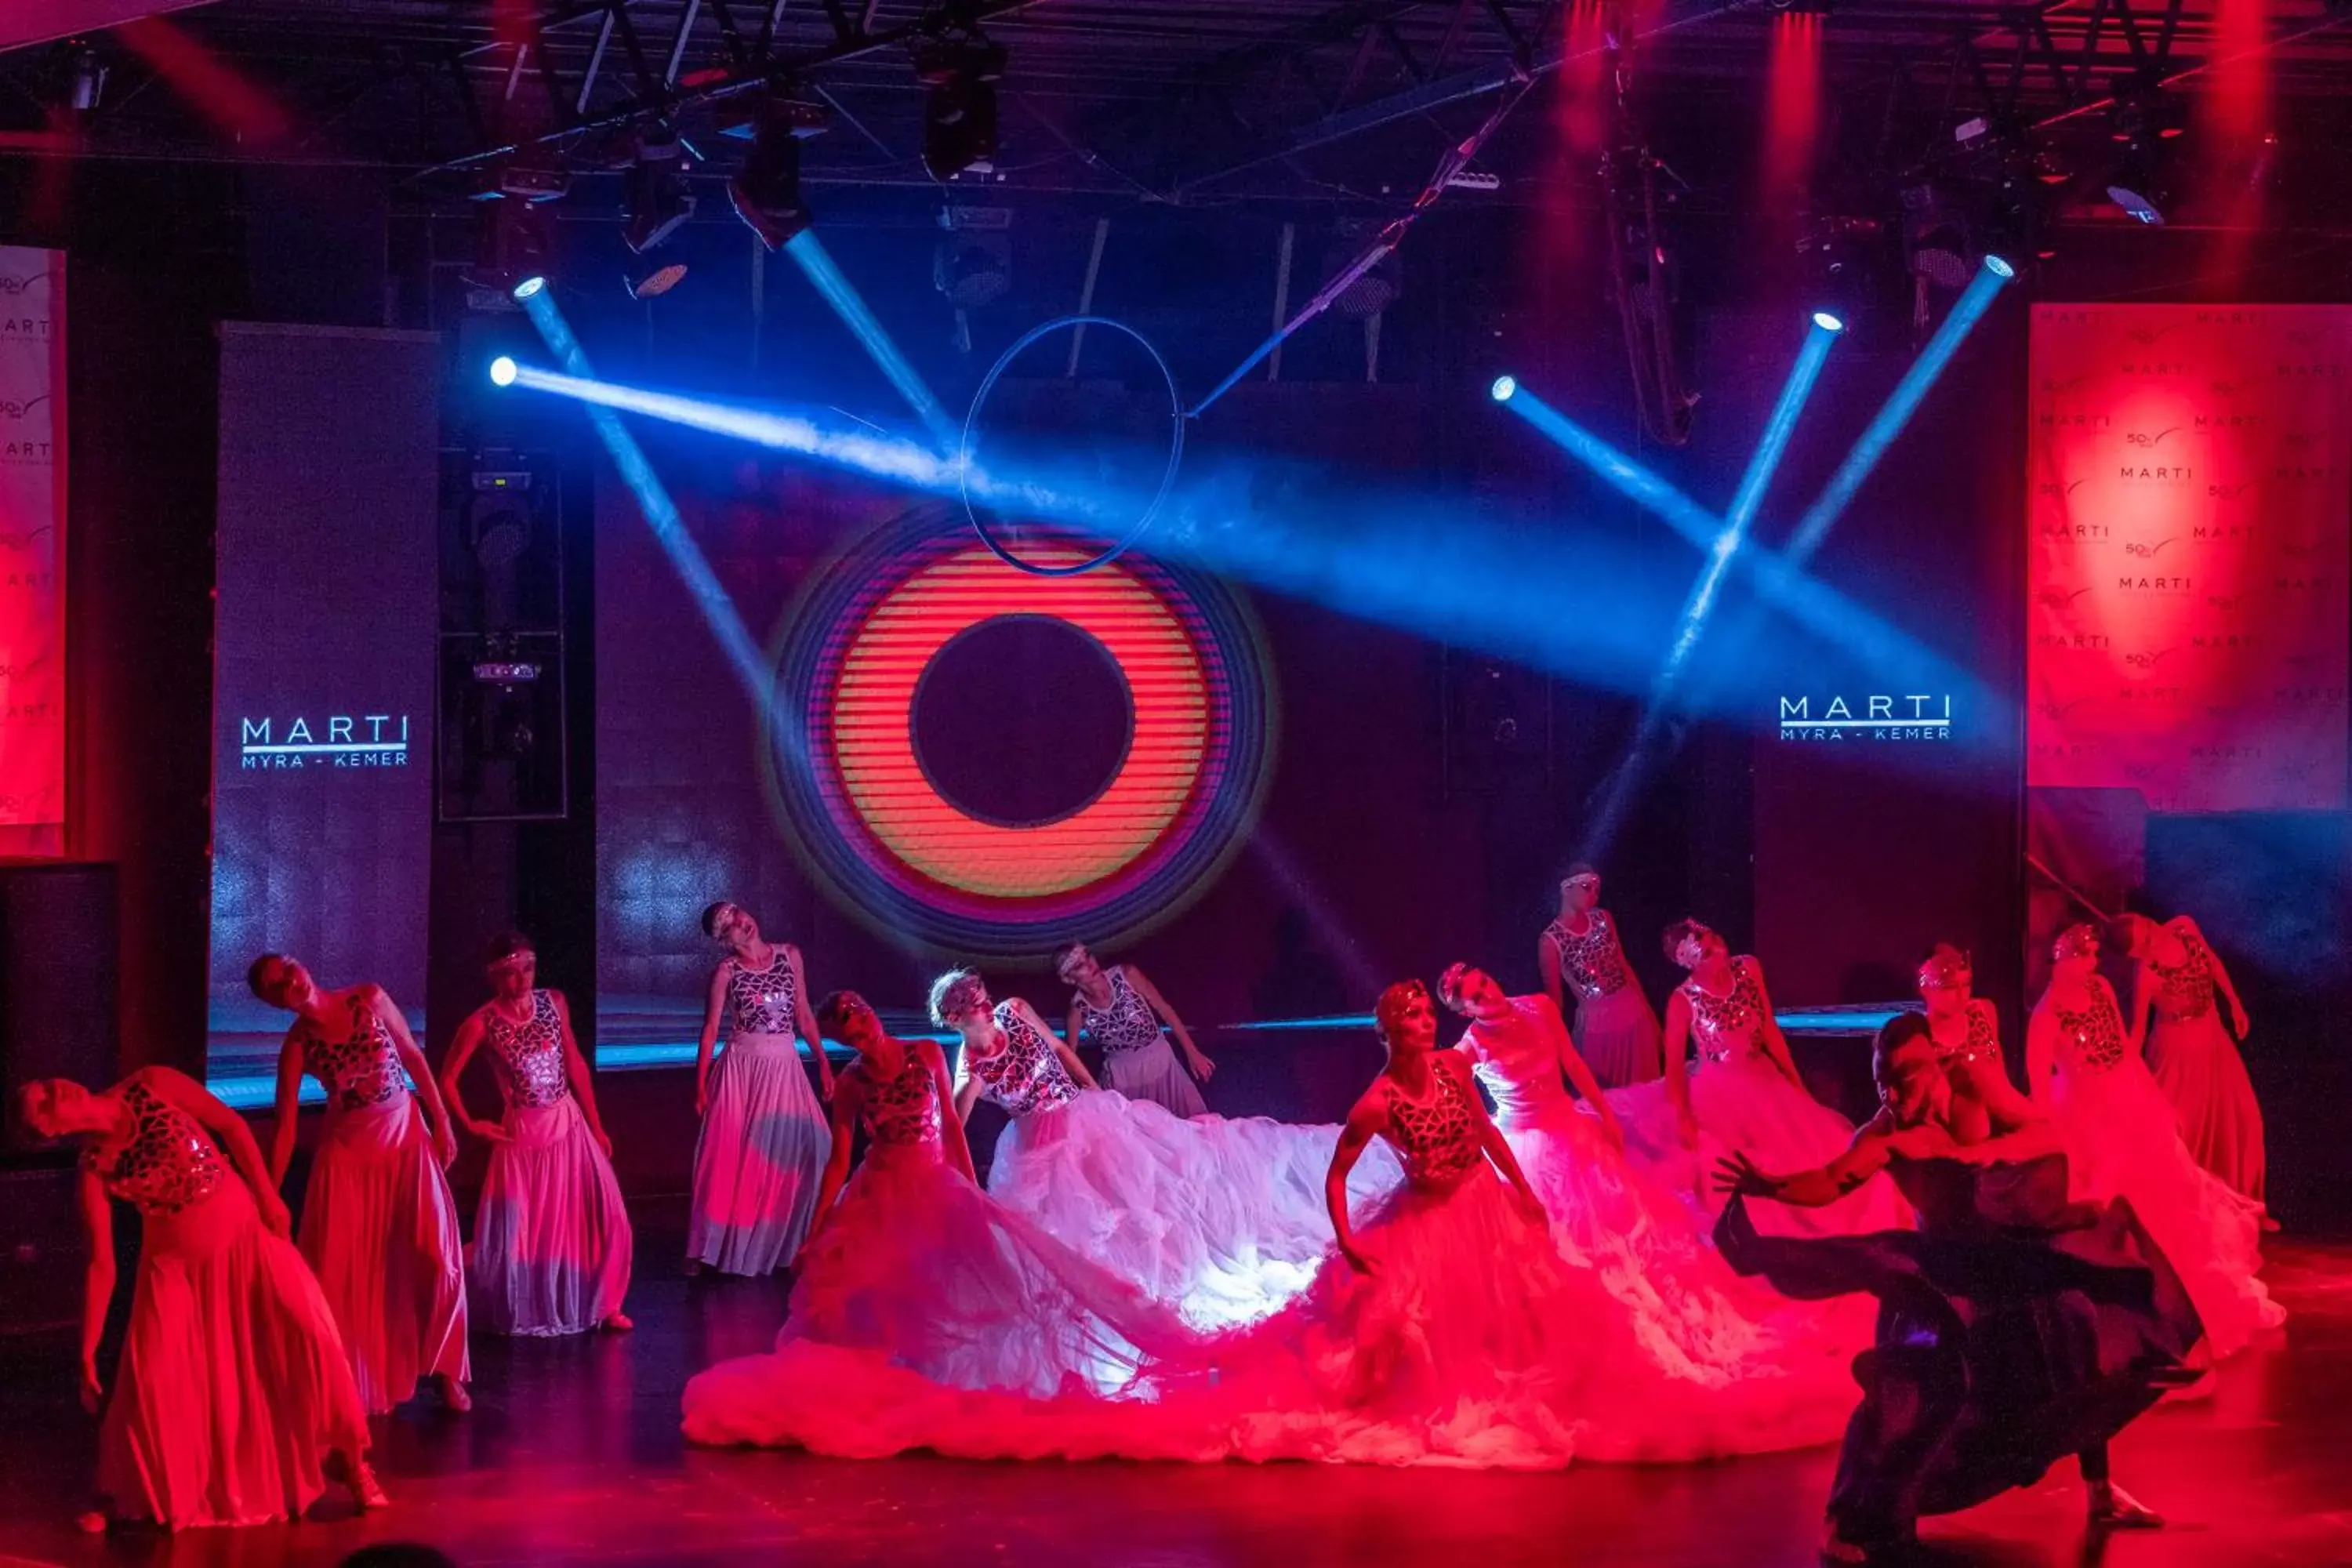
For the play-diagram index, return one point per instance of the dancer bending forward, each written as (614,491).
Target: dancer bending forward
(1744,1093)
(552,1241)
(2015,1328)
(233,1403)
(379,1224)
(2124,1140)
(1447,1329)
(1220,1218)
(763,1137)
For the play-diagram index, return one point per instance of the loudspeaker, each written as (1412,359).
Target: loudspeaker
(57,967)
(502,731)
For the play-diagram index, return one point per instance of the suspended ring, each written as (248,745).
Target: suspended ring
(1167,475)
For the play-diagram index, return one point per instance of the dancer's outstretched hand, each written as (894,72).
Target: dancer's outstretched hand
(1736,1173)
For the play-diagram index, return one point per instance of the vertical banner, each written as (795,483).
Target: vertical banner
(2191,530)
(32,549)
(326,639)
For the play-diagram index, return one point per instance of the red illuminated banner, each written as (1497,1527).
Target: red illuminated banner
(32,549)
(2190,533)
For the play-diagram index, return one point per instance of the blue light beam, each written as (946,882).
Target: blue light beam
(817,265)
(1895,412)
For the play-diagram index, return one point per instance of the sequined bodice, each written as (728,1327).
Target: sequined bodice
(1980,1044)
(1593,964)
(169,1161)
(2184,990)
(763,1001)
(1436,1138)
(1723,1028)
(528,1058)
(2091,1041)
(905,1110)
(1126,1024)
(1026,1075)
(1516,1058)
(359,1069)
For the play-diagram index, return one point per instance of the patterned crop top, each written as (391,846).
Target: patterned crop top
(1436,1138)
(2091,1041)
(1593,964)
(361,1070)
(1126,1024)
(1025,1075)
(764,1001)
(528,1058)
(2185,990)
(169,1161)
(1723,1028)
(1981,1044)
(903,1110)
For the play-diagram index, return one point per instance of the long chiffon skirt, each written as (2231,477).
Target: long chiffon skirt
(1784,1371)
(2197,1066)
(551,1243)
(1152,1072)
(1745,1104)
(1617,1035)
(756,1166)
(1222,1219)
(379,1227)
(1472,1345)
(2122,1140)
(233,1387)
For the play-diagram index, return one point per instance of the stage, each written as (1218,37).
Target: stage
(572,1455)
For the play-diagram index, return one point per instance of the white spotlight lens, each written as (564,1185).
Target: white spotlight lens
(528,287)
(502,371)
(1504,386)
(1999,269)
(1827,323)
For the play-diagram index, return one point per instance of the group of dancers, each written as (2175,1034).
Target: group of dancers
(1674,1262)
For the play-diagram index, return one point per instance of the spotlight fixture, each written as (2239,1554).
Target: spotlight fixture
(657,282)
(1504,386)
(654,191)
(512,260)
(2137,185)
(1829,322)
(766,192)
(85,78)
(962,71)
(502,370)
(1999,268)
(530,286)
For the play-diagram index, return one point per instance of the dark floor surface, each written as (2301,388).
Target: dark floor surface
(572,1455)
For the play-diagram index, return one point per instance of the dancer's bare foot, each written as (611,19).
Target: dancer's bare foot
(618,1323)
(453,1393)
(2111,1508)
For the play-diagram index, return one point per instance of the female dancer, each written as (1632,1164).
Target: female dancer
(1744,1093)
(1965,1032)
(2122,1140)
(233,1401)
(2196,1062)
(1122,1011)
(378,1221)
(1615,1030)
(763,1133)
(1447,1330)
(916,1268)
(552,1242)
(2016,1327)
(1220,1218)
(1688,1309)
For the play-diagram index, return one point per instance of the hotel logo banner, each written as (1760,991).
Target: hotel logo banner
(2190,508)
(31,547)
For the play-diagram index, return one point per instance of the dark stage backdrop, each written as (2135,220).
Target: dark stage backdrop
(324,662)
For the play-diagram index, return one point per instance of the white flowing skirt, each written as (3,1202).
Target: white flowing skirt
(552,1241)
(762,1150)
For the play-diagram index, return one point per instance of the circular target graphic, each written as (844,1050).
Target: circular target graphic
(991,761)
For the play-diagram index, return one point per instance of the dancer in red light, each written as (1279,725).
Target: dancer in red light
(1616,1031)
(2176,991)
(1121,1011)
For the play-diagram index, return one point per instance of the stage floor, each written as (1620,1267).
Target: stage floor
(572,1455)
